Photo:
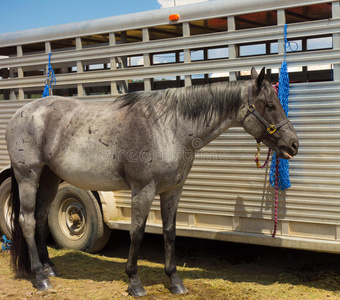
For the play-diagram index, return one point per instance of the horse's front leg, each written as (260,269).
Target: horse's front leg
(169,205)
(140,206)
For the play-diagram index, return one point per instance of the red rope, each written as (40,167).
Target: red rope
(258,164)
(257,159)
(276,194)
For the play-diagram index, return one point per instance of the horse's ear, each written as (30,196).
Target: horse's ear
(253,73)
(260,78)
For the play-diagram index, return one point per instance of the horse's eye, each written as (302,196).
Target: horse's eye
(270,106)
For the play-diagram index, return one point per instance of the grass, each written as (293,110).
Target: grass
(207,273)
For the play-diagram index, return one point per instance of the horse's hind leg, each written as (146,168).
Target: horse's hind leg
(140,206)
(48,188)
(28,182)
(169,205)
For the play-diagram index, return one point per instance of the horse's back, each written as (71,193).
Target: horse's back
(82,142)
(29,123)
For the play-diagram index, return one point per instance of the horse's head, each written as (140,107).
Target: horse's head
(264,118)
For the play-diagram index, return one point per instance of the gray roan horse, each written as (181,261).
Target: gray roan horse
(143,141)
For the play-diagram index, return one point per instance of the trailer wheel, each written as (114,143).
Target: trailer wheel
(75,220)
(6,208)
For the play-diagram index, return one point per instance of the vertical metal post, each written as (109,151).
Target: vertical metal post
(147,61)
(48,49)
(80,67)
(232,49)
(281,20)
(113,64)
(124,85)
(187,53)
(12,95)
(20,73)
(336,39)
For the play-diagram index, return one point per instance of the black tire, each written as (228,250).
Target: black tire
(6,208)
(75,220)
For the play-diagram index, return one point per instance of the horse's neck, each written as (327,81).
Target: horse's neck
(210,131)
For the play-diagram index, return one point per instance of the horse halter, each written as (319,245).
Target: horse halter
(270,128)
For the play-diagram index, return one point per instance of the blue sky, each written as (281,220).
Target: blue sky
(27,14)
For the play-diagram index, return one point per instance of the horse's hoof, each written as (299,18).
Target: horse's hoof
(137,290)
(178,288)
(51,271)
(44,285)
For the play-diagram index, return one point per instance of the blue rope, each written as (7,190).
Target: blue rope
(283,94)
(50,80)
(6,245)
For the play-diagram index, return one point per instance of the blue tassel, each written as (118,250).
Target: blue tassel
(283,94)
(50,80)
(46,91)
(6,245)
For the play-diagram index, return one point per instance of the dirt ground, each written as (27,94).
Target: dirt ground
(209,269)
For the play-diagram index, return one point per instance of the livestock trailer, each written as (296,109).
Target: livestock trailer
(225,196)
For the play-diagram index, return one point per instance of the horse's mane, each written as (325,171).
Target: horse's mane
(194,102)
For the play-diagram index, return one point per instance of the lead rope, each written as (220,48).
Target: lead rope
(257,157)
(258,165)
(276,195)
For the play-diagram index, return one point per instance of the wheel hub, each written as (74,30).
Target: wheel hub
(72,219)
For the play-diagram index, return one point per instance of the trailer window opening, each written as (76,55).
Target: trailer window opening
(207,26)
(135,61)
(309,13)
(217,53)
(99,65)
(165,31)
(66,91)
(254,20)
(167,58)
(95,40)
(274,48)
(63,45)
(295,46)
(34,72)
(8,51)
(97,90)
(69,68)
(161,83)
(318,43)
(209,54)
(37,48)
(197,55)
(5,94)
(32,93)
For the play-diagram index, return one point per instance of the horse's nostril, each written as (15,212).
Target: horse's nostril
(295,145)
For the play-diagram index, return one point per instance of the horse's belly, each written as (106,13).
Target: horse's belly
(93,180)
(89,173)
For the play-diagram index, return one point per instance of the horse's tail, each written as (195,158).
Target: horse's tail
(20,257)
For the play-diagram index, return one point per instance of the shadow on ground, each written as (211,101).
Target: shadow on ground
(200,259)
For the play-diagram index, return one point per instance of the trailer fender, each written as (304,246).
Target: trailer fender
(109,208)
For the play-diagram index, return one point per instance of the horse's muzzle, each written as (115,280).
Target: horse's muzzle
(288,152)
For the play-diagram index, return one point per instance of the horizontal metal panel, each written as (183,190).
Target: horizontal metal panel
(187,13)
(103,53)
(203,67)
(7,109)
